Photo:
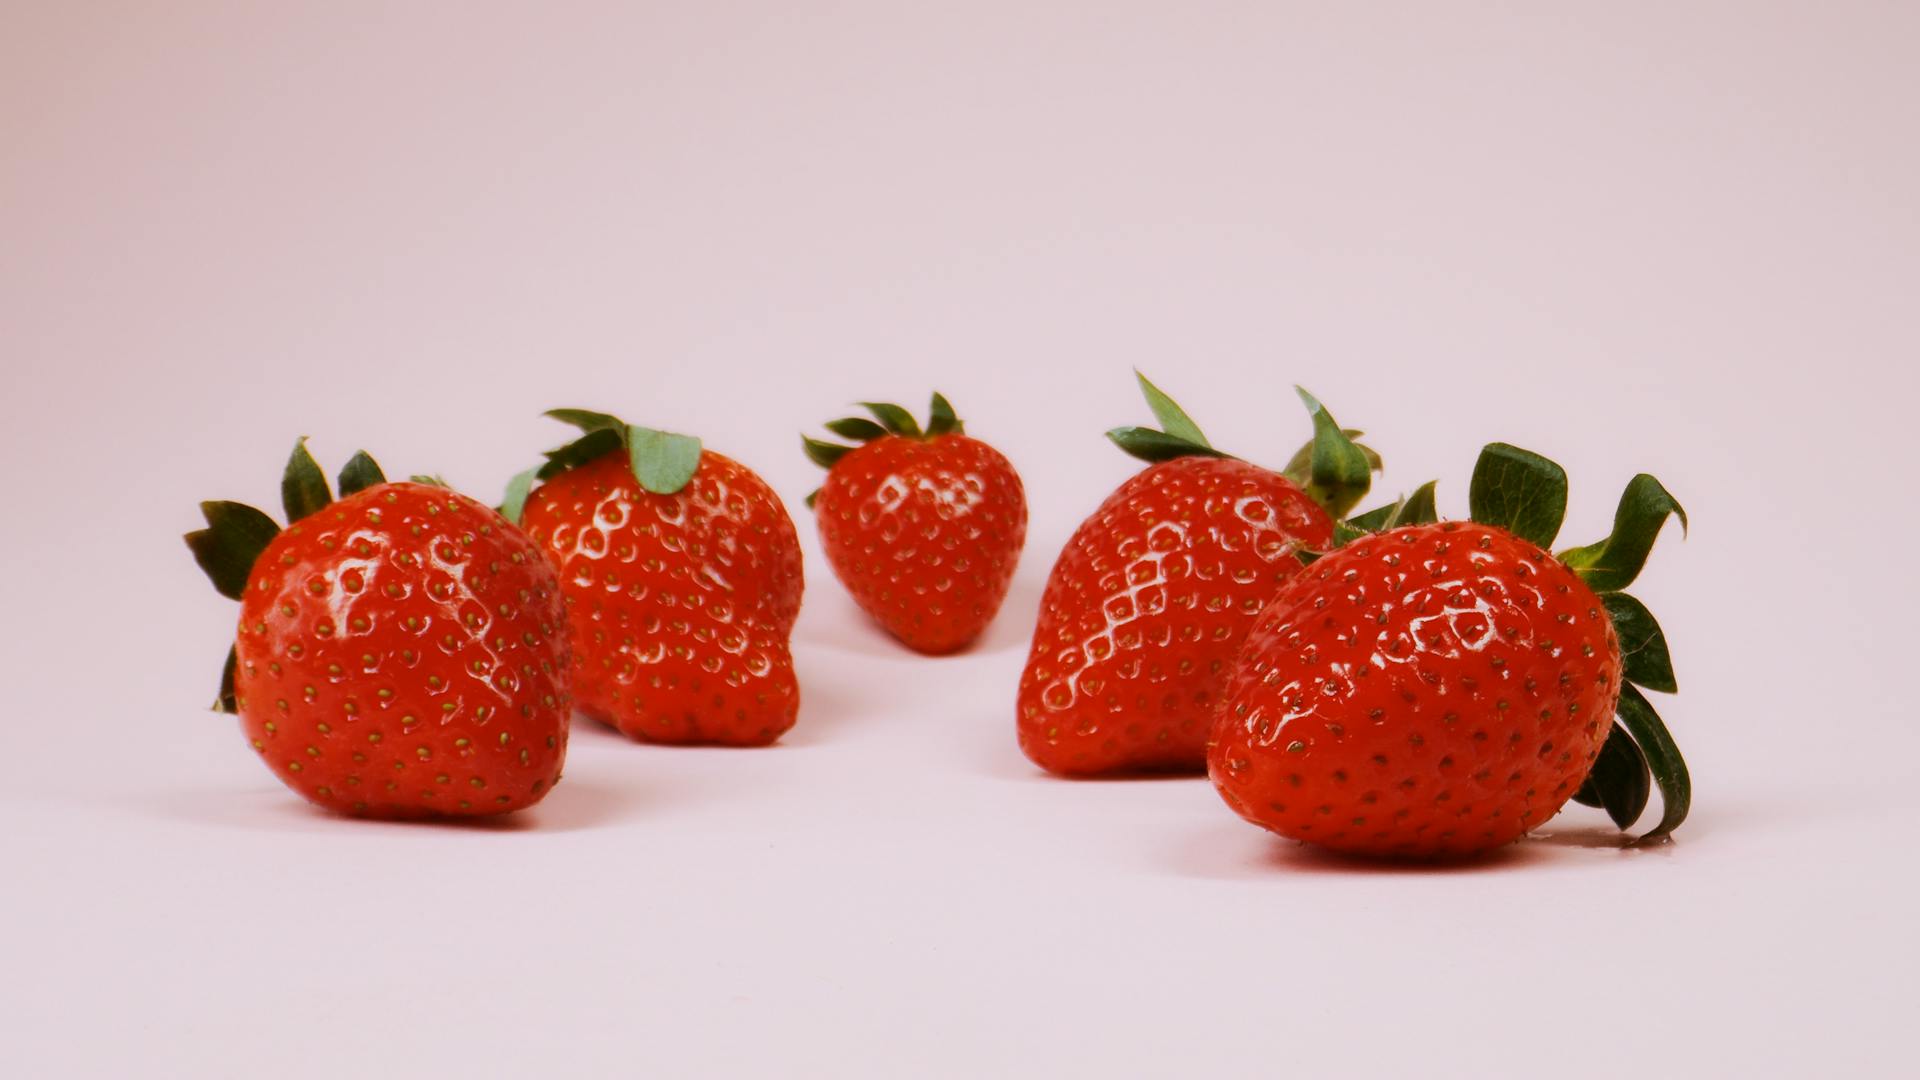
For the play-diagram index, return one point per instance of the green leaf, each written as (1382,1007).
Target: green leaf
(1299,468)
(430,481)
(856,427)
(1379,518)
(1643,648)
(360,473)
(303,487)
(1419,507)
(594,444)
(1173,419)
(663,461)
(228,701)
(1150,445)
(1414,509)
(1519,491)
(227,548)
(1619,782)
(824,454)
(812,497)
(1338,473)
(1663,757)
(941,419)
(1613,563)
(894,418)
(514,503)
(588,421)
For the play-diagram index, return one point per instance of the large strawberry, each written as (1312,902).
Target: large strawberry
(402,651)
(1440,689)
(681,572)
(924,528)
(1152,595)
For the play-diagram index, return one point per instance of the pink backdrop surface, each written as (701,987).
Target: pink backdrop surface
(1673,237)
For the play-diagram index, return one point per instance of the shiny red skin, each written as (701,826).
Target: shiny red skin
(1433,690)
(403,654)
(1146,608)
(925,533)
(681,604)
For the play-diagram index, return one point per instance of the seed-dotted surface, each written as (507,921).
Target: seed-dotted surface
(1434,689)
(402,654)
(680,605)
(1146,607)
(925,535)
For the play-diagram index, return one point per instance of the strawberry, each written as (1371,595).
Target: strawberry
(1440,689)
(1151,597)
(923,528)
(681,573)
(401,651)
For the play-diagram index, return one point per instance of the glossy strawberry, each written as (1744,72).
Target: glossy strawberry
(402,651)
(1153,594)
(681,572)
(1440,689)
(924,528)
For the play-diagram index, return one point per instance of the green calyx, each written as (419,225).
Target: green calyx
(663,462)
(236,533)
(1333,469)
(1526,494)
(888,420)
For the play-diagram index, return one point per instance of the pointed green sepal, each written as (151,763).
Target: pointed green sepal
(360,473)
(1174,420)
(1613,563)
(823,454)
(587,420)
(514,503)
(1619,782)
(1643,647)
(1420,507)
(1380,518)
(663,461)
(941,419)
(592,446)
(303,487)
(1156,446)
(894,418)
(856,427)
(231,543)
(1519,491)
(812,497)
(228,701)
(430,480)
(1338,472)
(1663,758)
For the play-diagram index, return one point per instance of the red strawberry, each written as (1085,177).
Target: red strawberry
(401,651)
(1440,689)
(681,572)
(924,529)
(1153,594)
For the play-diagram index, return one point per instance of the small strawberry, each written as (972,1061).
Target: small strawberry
(923,528)
(681,573)
(1152,595)
(1440,689)
(402,651)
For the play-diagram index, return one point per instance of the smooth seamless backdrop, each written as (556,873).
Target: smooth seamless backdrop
(1671,236)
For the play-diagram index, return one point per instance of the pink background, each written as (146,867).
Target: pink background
(1678,237)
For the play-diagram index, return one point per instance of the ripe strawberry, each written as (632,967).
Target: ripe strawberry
(401,651)
(1440,689)
(924,529)
(681,573)
(1153,594)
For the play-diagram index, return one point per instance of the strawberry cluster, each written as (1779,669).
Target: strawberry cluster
(1383,683)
